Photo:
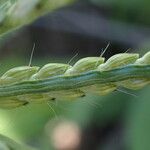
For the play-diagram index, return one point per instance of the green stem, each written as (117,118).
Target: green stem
(59,83)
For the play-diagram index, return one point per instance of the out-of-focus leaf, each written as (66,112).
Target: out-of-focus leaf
(6,6)
(8,144)
(138,134)
(15,13)
(134,11)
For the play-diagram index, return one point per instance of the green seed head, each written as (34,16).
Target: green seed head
(18,74)
(49,70)
(84,65)
(118,60)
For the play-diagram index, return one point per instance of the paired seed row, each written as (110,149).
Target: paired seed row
(23,74)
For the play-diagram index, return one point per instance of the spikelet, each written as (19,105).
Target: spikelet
(84,65)
(17,74)
(118,60)
(50,70)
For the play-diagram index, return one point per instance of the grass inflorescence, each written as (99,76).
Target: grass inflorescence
(30,84)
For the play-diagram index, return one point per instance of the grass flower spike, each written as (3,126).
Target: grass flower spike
(24,85)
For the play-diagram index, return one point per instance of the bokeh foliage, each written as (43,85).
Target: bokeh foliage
(15,13)
(28,123)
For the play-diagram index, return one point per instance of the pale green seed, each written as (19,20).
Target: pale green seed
(84,65)
(50,70)
(118,60)
(17,74)
(100,89)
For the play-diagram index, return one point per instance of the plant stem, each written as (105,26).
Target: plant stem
(60,83)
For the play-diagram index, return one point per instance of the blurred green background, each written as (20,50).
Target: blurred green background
(60,29)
